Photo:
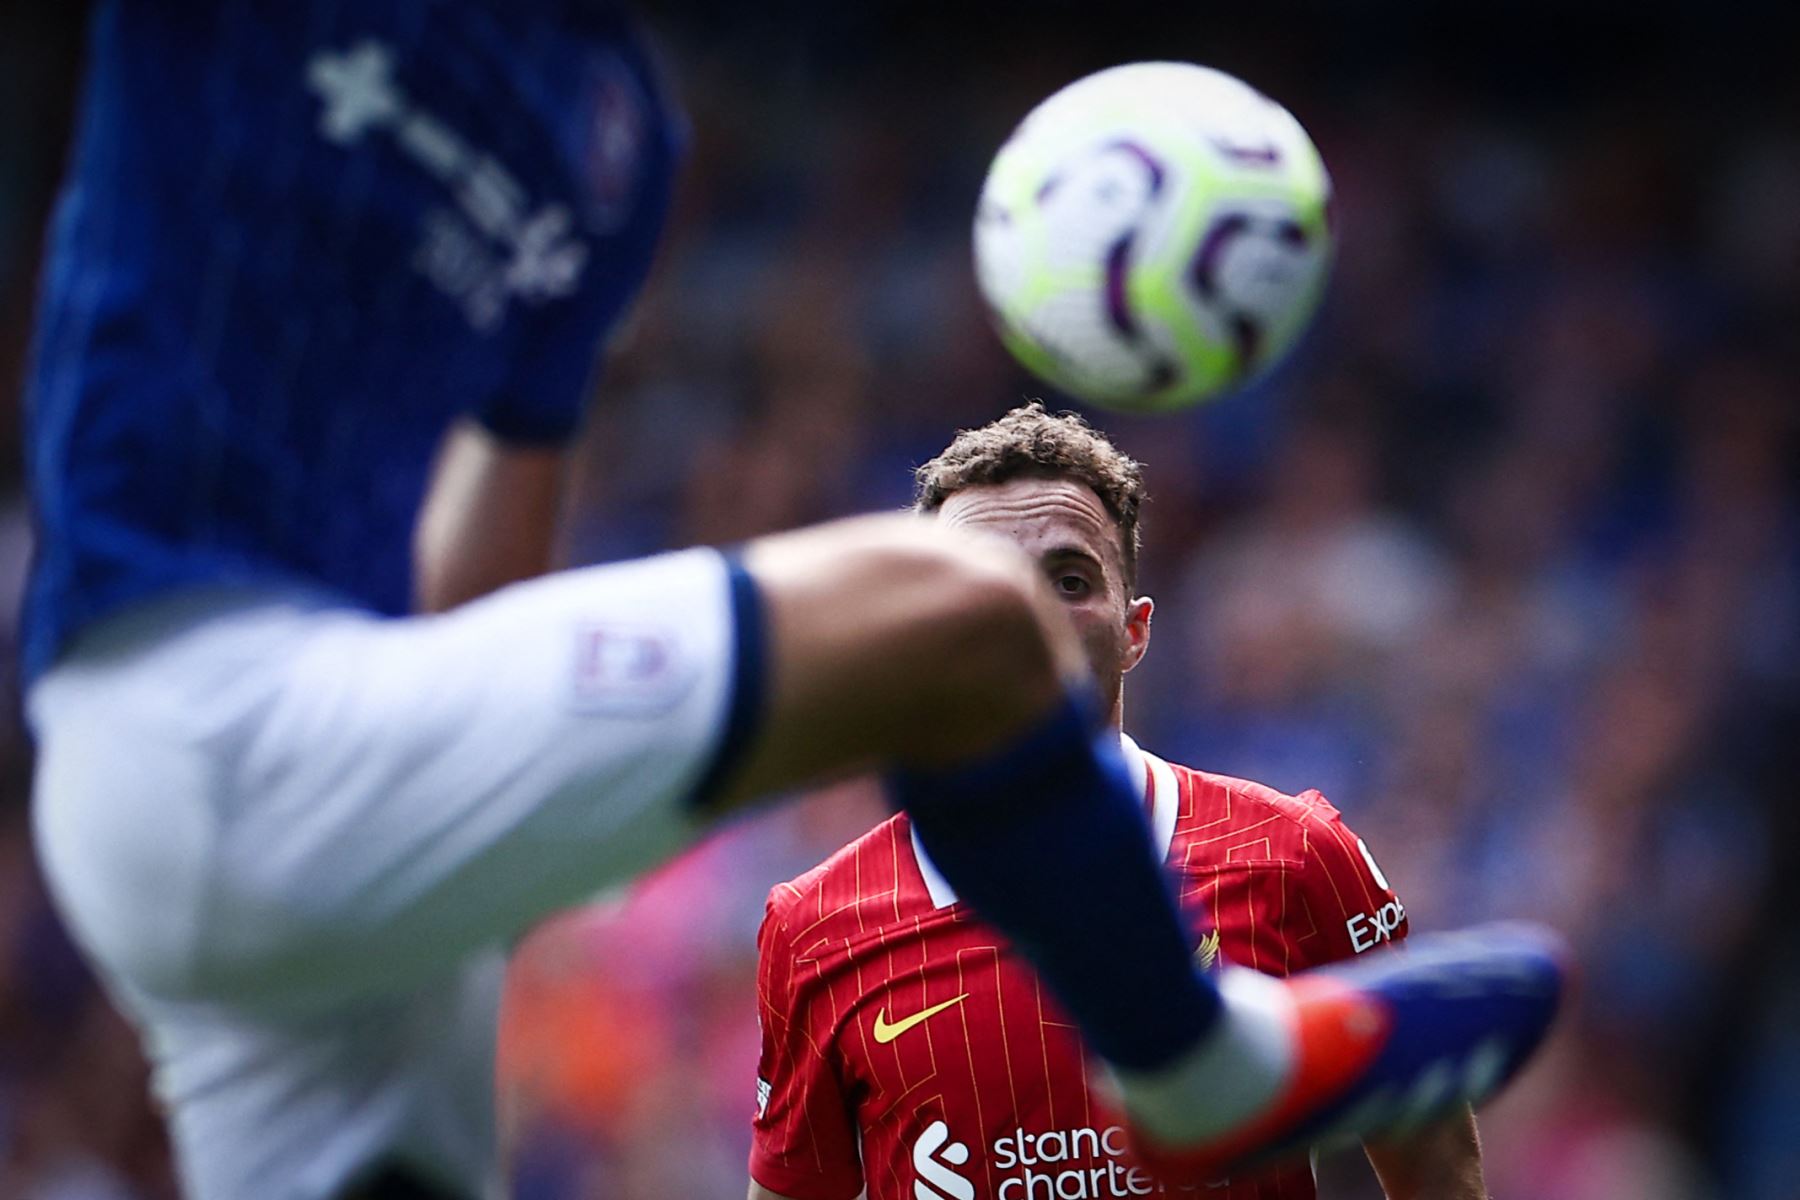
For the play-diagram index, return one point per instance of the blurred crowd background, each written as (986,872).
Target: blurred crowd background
(1506,561)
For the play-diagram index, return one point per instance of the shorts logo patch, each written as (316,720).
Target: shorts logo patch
(630,670)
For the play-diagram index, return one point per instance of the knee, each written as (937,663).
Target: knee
(980,614)
(989,604)
(910,640)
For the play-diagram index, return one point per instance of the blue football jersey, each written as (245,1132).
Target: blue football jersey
(296,242)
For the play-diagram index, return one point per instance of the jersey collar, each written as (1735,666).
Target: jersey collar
(1156,785)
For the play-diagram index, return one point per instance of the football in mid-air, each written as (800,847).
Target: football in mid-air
(1153,235)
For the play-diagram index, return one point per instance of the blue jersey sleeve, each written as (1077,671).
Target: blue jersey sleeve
(543,400)
(626,139)
(623,141)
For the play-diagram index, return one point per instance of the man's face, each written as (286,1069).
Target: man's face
(1067,530)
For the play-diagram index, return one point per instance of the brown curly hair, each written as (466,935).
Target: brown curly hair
(1032,443)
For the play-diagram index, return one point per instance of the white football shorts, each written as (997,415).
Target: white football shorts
(298,838)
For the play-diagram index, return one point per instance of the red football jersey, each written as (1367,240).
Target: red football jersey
(907,1049)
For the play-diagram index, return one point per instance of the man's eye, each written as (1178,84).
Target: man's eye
(1071,585)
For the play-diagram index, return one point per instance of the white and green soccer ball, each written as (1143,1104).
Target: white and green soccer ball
(1153,235)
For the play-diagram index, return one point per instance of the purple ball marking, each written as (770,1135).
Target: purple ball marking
(1118,255)
(1048,187)
(1118,304)
(1206,259)
(1265,155)
(1291,234)
(1147,160)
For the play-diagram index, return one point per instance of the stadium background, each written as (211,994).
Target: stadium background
(1507,562)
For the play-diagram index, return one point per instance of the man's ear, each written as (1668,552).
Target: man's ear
(1137,630)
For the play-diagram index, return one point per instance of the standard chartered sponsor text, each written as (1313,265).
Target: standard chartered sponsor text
(1035,1163)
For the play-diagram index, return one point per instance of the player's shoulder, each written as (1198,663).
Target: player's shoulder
(1238,823)
(875,864)
(1289,827)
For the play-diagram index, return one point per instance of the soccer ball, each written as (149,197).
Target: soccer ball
(1153,235)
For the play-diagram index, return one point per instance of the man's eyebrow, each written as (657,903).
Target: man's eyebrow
(1055,553)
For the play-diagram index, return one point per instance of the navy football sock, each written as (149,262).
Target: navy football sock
(1047,840)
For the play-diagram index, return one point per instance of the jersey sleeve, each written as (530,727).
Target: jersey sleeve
(544,401)
(803,1141)
(601,262)
(1353,905)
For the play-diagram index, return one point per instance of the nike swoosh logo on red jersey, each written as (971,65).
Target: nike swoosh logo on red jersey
(885,1033)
